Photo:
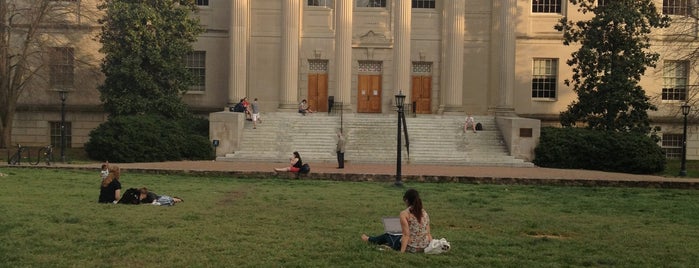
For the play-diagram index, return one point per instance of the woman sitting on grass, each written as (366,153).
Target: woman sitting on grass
(110,190)
(415,226)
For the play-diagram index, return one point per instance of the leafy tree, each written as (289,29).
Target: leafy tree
(23,43)
(145,43)
(613,55)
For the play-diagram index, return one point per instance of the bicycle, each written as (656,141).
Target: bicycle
(47,153)
(16,158)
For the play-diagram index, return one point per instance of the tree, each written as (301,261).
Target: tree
(145,43)
(28,29)
(613,55)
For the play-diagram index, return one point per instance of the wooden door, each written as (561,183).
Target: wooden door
(420,95)
(318,92)
(369,94)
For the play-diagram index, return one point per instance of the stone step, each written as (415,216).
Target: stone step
(434,139)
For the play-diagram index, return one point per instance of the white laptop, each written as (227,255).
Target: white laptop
(391,225)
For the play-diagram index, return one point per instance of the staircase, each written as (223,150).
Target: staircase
(371,138)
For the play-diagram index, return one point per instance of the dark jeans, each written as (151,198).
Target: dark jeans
(392,241)
(340,160)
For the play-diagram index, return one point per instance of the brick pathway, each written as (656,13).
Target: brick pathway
(411,173)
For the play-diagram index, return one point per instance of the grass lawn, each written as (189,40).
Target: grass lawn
(50,218)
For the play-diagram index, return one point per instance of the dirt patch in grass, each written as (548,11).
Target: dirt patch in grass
(231,196)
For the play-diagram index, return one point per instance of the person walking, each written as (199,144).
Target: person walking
(255,113)
(340,150)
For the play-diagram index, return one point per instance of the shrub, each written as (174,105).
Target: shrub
(580,148)
(145,138)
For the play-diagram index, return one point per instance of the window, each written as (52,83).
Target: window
(423,3)
(371,3)
(202,2)
(544,78)
(675,80)
(422,67)
(546,6)
(56,134)
(370,66)
(676,7)
(61,67)
(320,3)
(196,64)
(601,3)
(672,145)
(318,66)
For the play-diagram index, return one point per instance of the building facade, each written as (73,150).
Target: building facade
(483,57)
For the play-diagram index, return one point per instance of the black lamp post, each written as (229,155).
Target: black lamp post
(400,98)
(63,94)
(683,168)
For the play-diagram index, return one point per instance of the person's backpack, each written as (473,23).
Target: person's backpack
(479,126)
(239,108)
(305,169)
(130,197)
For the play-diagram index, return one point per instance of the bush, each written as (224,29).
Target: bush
(578,148)
(145,138)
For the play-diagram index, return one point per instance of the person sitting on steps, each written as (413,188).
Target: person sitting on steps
(304,108)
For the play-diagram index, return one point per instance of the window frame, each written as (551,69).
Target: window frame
(55,134)
(683,9)
(195,63)
(61,67)
(321,3)
(385,4)
(557,7)
(538,89)
(671,144)
(419,4)
(672,91)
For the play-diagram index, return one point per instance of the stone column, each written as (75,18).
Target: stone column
(401,48)
(288,94)
(238,51)
(343,51)
(454,12)
(506,72)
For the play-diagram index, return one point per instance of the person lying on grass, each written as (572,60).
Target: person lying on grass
(148,197)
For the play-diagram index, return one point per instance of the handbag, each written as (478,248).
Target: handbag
(438,246)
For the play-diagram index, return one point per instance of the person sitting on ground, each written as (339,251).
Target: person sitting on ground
(469,121)
(110,189)
(148,197)
(304,108)
(415,226)
(295,164)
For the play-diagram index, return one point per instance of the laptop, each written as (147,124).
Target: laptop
(391,225)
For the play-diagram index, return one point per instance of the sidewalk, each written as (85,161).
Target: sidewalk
(410,173)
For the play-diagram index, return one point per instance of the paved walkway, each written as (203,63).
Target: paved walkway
(411,173)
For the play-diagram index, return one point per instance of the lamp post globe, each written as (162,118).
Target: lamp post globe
(400,99)
(683,168)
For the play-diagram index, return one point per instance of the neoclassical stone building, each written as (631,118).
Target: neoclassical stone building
(485,57)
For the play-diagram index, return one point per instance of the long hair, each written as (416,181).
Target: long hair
(412,197)
(114,173)
(297,155)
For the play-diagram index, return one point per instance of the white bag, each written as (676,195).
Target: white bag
(438,246)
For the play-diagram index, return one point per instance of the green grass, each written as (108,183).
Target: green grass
(672,168)
(50,218)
